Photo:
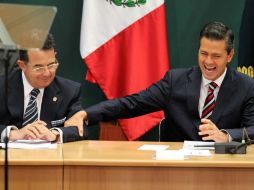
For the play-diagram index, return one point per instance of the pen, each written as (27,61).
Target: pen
(210,145)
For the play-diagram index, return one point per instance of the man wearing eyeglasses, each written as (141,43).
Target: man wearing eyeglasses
(40,103)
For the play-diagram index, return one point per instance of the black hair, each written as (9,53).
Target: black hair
(48,44)
(218,31)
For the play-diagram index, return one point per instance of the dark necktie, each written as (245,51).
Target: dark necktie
(31,112)
(209,101)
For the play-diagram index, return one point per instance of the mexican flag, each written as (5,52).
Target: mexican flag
(124,45)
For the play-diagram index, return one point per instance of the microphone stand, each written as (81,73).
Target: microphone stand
(6,139)
(6,67)
(6,59)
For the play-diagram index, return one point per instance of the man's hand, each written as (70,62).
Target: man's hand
(77,120)
(35,130)
(51,135)
(30,131)
(209,131)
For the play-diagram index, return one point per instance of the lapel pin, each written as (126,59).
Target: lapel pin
(54,99)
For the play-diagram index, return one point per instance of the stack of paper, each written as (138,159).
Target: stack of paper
(190,148)
(198,145)
(30,144)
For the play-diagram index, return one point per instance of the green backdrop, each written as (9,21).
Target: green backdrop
(184,21)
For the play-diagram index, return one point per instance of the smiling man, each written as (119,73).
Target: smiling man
(40,103)
(209,102)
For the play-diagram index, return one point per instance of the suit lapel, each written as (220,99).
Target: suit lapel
(193,93)
(51,102)
(16,97)
(223,98)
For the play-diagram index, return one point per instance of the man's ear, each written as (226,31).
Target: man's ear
(230,55)
(22,65)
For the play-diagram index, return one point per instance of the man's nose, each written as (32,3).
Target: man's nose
(46,71)
(209,60)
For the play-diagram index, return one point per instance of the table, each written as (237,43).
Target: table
(114,165)
(33,169)
(111,165)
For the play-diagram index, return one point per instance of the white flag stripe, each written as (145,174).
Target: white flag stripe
(107,20)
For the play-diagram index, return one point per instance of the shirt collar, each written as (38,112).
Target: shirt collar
(218,81)
(28,87)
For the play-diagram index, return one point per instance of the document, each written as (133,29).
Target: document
(189,149)
(180,154)
(30,144)
(153,147)
(188,153)
(198,145)
(169,155)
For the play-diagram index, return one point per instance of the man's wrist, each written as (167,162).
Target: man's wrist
(229,138)
(81,114)
(56,134)
(14,135)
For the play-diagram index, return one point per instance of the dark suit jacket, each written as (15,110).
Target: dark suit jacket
(177,94)
(68,102)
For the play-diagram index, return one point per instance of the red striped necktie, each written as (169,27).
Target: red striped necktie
(209,101)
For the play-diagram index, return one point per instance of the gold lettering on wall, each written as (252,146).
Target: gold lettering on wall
(248,71)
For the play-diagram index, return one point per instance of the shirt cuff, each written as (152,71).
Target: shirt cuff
(6,131)
(60,139)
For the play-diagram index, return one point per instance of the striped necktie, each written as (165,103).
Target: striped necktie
(209,101)
(31,112)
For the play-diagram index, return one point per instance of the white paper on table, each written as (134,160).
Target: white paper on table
(187,152)
(180,154)
(153,147)
(30,144)
(192,145)
(169,155)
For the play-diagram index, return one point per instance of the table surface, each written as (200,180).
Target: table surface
(120,153)
(125,153)
(80,165)
(33,157)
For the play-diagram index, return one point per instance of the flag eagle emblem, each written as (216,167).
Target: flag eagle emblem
(128,3)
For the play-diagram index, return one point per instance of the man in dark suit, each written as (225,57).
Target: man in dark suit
(209,102)
(56,100)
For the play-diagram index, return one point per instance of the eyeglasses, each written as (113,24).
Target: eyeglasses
(41,69)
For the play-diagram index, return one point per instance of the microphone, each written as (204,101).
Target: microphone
(232,147)
(239,147)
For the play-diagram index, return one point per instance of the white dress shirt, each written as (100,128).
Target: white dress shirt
(27,90)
